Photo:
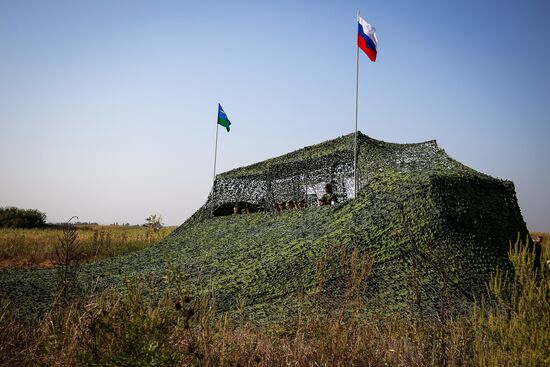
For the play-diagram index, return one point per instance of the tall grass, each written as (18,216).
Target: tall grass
(36,247)
(510,327)
(513,324)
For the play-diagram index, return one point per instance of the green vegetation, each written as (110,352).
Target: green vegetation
(510,327)
(12,217)
(154,221)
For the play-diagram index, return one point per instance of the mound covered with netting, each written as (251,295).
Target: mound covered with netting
(432,229)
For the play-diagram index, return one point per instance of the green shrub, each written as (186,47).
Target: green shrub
(129,330)
(13,217)
(513,324)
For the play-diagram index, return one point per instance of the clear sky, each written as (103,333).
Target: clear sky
(108,108)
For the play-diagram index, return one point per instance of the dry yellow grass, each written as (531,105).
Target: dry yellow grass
(36,247)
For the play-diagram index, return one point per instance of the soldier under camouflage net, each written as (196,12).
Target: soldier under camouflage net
(329,198)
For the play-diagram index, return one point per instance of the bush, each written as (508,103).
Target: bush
(13,217)
(512,325)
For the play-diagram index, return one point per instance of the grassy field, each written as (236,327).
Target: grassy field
(509,327)
(36,247)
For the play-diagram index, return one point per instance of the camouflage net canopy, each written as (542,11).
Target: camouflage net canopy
(303,174)
(434,229)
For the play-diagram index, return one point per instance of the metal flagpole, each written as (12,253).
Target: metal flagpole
(214,179)
(356,113)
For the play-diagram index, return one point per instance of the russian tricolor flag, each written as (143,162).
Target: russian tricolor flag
(366,38)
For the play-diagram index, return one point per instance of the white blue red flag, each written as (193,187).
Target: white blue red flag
(366,38)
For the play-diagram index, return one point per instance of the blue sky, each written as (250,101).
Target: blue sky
(108,108)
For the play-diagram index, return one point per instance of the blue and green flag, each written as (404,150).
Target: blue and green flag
(222,118)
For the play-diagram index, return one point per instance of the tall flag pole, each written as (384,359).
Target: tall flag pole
(356,113)
(366,41)
(223,121)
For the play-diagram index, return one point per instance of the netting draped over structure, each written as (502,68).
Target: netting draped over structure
(295,181)
(303,174)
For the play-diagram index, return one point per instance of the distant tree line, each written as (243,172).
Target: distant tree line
(12,217)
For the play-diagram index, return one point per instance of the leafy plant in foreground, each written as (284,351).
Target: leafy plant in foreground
(513,325)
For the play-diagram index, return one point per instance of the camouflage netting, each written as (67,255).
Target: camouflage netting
(303,174)
(435,231)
